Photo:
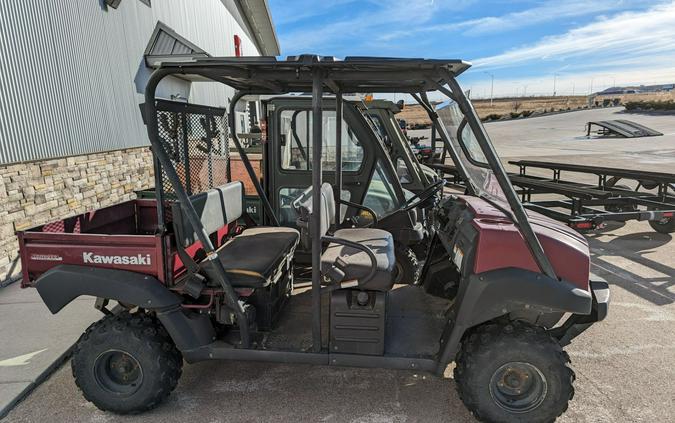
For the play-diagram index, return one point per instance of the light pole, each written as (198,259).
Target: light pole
(555,78)
(492,85)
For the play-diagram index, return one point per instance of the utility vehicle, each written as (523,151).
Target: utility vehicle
(502,291)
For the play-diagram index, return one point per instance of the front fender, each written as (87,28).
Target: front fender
(485,296)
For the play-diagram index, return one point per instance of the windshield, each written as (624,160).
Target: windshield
(470,154)
(380,196)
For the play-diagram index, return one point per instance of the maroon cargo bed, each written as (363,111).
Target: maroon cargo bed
(122,236)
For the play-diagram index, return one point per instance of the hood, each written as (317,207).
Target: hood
(566,249)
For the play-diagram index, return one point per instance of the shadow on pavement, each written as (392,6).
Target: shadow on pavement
(624,255)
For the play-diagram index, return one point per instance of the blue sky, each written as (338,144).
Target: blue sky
(525,44)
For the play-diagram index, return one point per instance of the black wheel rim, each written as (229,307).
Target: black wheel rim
(518,387)
(118,372)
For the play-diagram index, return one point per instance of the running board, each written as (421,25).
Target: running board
(223,351)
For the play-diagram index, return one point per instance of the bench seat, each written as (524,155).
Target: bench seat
(258,256)
(255,258)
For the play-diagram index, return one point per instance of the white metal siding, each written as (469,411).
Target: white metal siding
(72,74)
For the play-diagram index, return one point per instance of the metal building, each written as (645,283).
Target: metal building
(73,72)
(72,76)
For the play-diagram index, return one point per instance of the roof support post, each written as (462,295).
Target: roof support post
(423,100)
(338,154)
(247,163)
(185,204)
(315,221)
(502,177)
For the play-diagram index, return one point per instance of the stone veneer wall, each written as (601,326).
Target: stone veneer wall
(36,193)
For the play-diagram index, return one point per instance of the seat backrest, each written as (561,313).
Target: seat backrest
(216,208)
(304,207)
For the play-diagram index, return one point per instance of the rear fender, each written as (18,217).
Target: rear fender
(485,296)
(62,284)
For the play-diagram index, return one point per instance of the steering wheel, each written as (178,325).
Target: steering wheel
(426,194)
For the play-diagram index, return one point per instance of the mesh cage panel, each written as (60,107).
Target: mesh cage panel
(196,139)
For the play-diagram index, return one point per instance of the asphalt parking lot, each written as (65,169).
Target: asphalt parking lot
(624,365)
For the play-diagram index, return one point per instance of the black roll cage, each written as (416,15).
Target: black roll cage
(264,75)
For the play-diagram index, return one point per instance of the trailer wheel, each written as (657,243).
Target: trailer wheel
(513,373)
(126,363)
(663,226)
(407,269)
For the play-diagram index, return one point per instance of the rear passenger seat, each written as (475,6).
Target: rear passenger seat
(253,259)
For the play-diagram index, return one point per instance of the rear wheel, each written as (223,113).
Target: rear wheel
(126,363)
(513,373)
(407,269)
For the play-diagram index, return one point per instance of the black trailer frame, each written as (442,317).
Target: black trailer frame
(266,75)
(582,210)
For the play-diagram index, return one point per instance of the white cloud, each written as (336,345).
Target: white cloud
(629,48)
(545,12)
(630,34)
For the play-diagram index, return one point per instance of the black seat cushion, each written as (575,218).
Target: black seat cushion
(358,262)
(255,258)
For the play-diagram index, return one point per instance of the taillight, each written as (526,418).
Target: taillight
(583,225)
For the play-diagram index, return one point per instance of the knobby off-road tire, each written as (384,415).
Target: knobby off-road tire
(407,269)
(126,363)
(513,373)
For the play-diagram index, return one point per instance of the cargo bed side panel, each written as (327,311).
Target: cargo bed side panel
(136,253)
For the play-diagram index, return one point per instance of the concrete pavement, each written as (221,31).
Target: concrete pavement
(623,366)
(35,342)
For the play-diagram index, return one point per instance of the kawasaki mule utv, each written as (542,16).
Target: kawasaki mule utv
(502,291)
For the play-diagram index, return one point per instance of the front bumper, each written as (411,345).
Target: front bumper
(578,323)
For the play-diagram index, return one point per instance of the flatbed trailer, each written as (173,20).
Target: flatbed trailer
(588,206)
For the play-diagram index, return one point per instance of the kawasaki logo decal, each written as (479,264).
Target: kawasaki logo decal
(137,260)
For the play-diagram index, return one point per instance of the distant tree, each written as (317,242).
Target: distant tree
(517,104)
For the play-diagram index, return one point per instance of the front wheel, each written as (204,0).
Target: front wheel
(513,373)
(407,269)
(126,363)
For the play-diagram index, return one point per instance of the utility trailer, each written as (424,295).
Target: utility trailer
(619,128)
(653,199)
(588,206)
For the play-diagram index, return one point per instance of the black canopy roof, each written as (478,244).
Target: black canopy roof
(267,75)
